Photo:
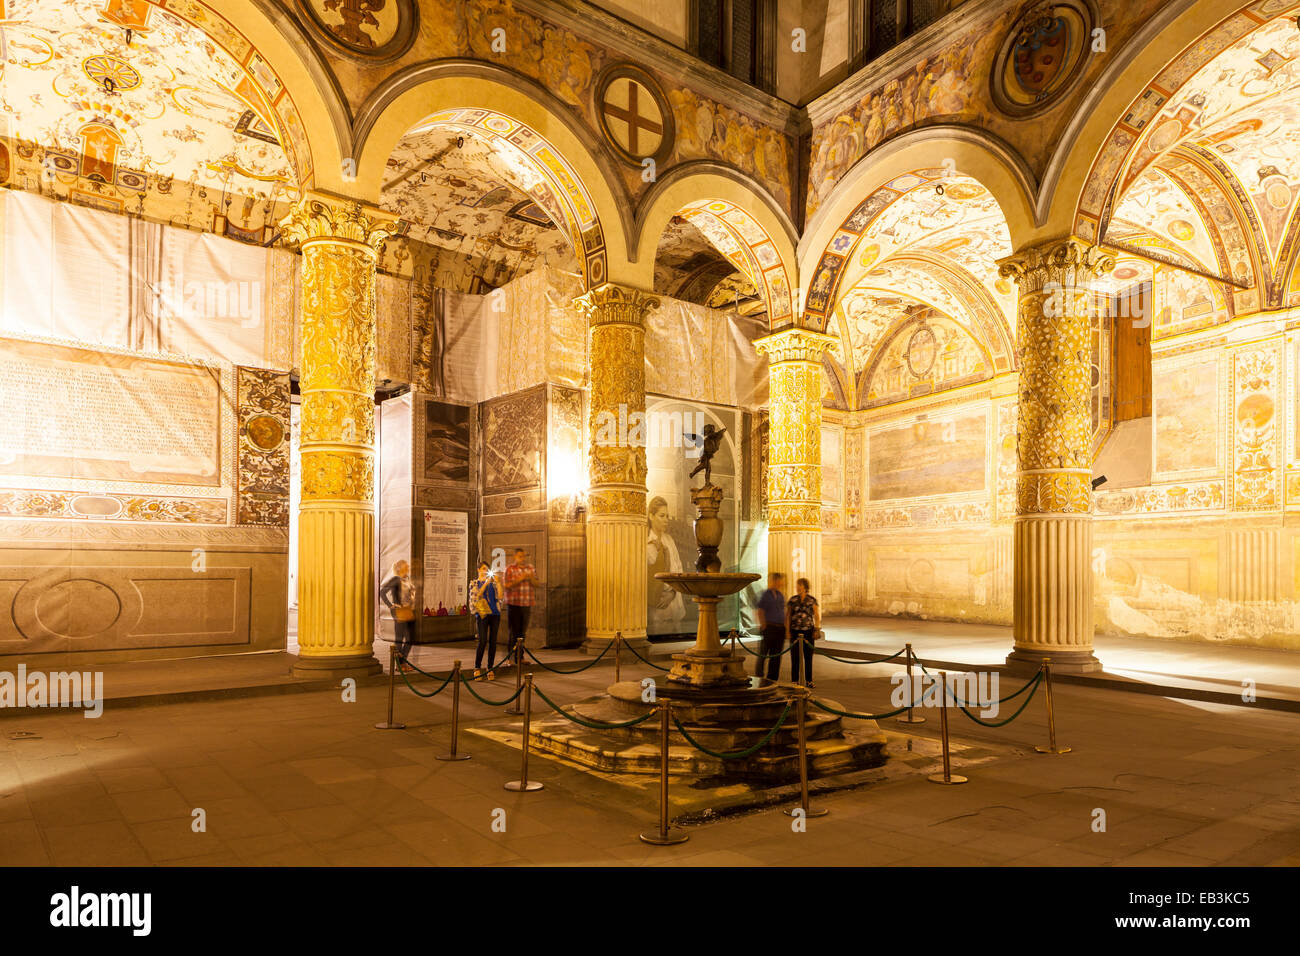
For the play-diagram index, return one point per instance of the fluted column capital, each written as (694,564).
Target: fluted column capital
(611,304)
(321,217)
(795,344)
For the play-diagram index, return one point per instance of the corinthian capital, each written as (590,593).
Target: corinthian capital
(319,217)
(611,304)
(795,345)
(1067,262)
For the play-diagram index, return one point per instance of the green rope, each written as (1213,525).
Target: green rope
(740,754)
(1002,723)
(642,659)
(848,713)
(854,660)
(576,670)
(1000,700)
(765,657)
(592,724)
(407,661)
(491,703)
(415,691)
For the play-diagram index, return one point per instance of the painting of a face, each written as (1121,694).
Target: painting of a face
(659,519)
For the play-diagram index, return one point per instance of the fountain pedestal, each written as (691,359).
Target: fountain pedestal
(712,697)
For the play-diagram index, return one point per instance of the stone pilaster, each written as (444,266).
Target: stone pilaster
(616,515)
(794,453)
(336,533)
(1052,589)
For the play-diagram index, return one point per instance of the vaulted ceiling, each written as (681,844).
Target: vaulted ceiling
(924,244)
(1213,184)
(124,92)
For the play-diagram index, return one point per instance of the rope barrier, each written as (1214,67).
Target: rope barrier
(484,700)
(576,670)
(740,754)
(592,724)
(854,660)
(1038,679)
(416,691)
(849,713)
(759,654)
(642,659)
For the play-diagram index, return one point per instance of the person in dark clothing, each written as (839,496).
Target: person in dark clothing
(771,621)
(805,618)
(398,595)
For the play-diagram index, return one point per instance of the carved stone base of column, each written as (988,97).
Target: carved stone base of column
(1026,660)
(335,668)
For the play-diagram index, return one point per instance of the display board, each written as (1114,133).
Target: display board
(446,563)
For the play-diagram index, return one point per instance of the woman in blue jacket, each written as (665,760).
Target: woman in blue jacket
(485,604)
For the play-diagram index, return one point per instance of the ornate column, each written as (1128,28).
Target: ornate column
(1052,589)
(616,517)
(336,534)
(794,453)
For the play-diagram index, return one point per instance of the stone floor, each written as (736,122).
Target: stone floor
(303,778)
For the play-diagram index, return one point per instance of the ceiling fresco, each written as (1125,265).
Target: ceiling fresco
(511,152)
(927,239)
(1214,173)
(127,94)
(689,267)
(462,193)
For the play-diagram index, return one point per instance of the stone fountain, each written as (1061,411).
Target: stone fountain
(721,706)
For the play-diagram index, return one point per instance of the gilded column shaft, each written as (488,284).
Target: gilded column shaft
(1052,596)
(616,518)
(794,471)
(336,520)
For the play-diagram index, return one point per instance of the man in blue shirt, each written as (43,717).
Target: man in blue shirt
(771,621)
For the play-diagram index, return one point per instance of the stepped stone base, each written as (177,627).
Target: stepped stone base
(723,720)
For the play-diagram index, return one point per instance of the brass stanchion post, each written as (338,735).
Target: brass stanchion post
(455,715)
(523,784)
(618,648)
(802,715)
(947,776)
(1051,747)
(662,837)
(909,717)
(392,689)
(514,710)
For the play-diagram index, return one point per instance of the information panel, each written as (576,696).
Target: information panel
(446,562)
(80,413)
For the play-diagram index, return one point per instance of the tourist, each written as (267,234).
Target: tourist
(520,578)
(398,595)
(771,621)
(805,617)
(485,604)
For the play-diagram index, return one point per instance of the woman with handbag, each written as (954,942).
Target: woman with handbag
(485,604)
(398,594)
(805,617)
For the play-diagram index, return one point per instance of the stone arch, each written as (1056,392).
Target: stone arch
(520,115)
(972,152)
(833,246)
(757,237)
